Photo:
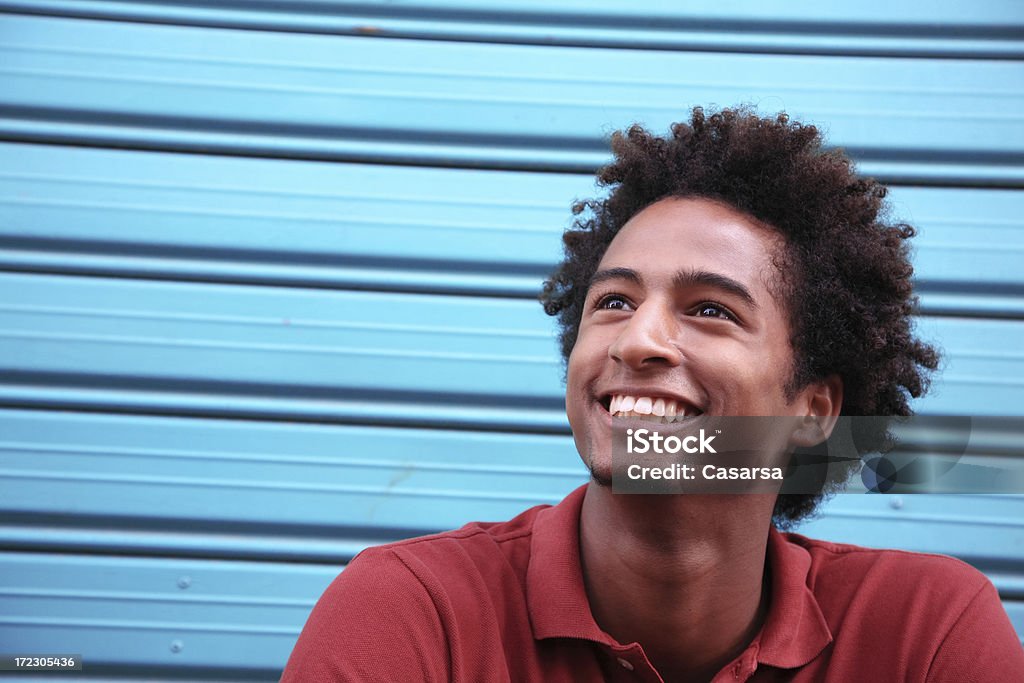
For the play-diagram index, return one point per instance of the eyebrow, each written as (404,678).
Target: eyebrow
(682,279)
(616,274)
(689,278)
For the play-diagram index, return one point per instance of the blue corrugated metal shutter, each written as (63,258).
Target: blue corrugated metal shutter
(267,280)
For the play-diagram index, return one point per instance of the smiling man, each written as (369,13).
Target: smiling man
(735,269)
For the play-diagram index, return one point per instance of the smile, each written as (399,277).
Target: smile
(654,409)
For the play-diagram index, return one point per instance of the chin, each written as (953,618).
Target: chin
(595,450)
(600,473)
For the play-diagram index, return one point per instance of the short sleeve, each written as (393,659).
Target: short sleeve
(375,622)
(981,646)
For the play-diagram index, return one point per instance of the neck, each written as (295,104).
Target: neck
(683,575)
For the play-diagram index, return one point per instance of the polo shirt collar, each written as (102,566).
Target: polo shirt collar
(794,632)
(555,594)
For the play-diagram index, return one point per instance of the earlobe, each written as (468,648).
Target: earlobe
(824,402)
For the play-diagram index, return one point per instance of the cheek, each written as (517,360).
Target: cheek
(584,367)
(584,359)
(741,381)
(769,377)
(574,382)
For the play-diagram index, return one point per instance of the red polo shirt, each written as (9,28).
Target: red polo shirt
(506,602)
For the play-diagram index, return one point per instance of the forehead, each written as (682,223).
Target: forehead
(678,234)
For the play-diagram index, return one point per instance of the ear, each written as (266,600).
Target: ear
(821,403)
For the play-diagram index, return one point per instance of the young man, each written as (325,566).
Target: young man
(736,269)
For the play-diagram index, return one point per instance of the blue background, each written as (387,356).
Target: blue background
(268,278)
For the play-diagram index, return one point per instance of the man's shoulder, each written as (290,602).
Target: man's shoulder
(829,559)
(477,549)
(473,533)
(398,610)
(917,614)
(884,586)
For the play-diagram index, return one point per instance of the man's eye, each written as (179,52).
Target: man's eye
(613,302)
(709,309)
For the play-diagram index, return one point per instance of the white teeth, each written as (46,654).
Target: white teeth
(647,417)
(663,410)
(659,407)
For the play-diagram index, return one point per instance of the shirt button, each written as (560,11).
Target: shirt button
(626,664)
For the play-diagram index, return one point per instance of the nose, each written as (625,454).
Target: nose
(649,337)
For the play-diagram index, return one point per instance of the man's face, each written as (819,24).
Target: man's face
(679,319)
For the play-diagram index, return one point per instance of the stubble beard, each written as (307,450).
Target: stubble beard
(601,475)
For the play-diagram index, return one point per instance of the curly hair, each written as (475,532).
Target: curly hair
(844,272)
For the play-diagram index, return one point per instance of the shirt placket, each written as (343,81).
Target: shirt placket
(632,664)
